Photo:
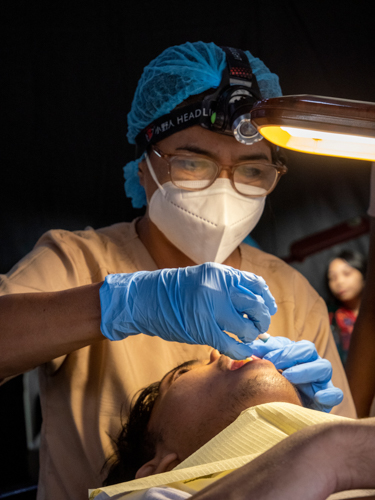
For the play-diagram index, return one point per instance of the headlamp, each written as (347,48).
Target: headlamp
(232,102)
(226,110)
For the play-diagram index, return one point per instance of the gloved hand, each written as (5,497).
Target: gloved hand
(192,305)
(304,368)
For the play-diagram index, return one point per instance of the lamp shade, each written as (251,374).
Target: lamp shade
(318,125)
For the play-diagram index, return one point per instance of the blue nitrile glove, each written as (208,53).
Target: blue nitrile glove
(192,305)
(304,368)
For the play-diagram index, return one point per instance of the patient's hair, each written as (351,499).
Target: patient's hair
(135,445)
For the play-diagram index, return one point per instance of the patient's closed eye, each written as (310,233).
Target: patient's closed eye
(184,368)
(180,372)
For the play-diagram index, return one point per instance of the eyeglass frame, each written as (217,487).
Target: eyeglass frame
(279,166)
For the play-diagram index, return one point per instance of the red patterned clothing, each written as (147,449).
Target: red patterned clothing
(342,322)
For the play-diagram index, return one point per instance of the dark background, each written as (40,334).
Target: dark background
(69,73)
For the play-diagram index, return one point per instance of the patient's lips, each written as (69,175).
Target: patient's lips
(236,364)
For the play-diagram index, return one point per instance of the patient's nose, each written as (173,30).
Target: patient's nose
(214,355)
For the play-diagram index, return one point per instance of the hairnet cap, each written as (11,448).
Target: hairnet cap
(176,74)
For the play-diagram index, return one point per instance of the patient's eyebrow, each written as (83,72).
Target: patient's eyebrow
(168,377)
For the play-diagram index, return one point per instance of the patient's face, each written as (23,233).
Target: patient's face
(200,398)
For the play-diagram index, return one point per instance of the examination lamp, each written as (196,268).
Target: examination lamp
(318,125)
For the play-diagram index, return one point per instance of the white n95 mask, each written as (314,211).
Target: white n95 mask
(205,225)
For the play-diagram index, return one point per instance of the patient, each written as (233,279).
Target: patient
(320,454)
(173,418)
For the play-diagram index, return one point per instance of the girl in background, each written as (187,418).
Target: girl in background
(345,279)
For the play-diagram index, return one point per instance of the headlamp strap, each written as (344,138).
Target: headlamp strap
(239,69)
(178,119)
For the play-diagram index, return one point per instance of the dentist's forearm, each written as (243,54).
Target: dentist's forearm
(311,464)
(38,327)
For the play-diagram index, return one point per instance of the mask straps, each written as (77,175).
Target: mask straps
(153,175)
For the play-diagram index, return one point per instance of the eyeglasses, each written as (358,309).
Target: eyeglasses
(196,172)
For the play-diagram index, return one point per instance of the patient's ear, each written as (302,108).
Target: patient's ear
(158,465)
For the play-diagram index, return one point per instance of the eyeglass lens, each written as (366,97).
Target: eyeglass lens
(251,179)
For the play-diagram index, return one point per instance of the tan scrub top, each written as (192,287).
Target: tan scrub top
(83,393)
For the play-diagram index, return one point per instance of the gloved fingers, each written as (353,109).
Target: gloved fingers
(257,285)
(253,306)
(329,397)
(307,393)
(319,371)
(261,348)
(295,353)
(231,347)
(234,322)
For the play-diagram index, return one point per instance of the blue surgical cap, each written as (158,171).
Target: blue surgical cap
(176,74)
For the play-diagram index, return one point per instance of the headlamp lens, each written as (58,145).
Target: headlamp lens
(244,131)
